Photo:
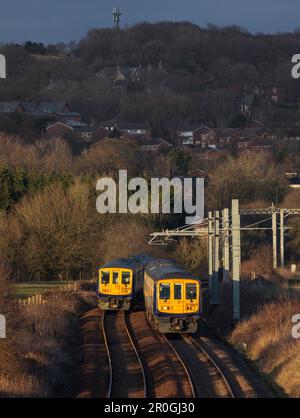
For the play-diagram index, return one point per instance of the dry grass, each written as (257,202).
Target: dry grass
(267,338)
(23,385)
(41,345)
(261,261)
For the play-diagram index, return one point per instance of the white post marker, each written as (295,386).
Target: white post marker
(2,327)
(2,66)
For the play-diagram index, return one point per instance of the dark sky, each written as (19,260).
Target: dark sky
(65,20)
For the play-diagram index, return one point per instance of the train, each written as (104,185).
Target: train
(120,282)
(172,297)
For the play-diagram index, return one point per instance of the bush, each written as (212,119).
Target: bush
(247,178)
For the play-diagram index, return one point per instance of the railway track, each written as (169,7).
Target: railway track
(181,361)
(206,376)
(126,372)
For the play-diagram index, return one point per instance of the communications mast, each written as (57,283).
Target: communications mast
(117,16)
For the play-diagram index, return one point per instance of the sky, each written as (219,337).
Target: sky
(52,21)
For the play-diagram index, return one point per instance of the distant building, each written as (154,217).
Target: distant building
(58,130)
(154,145)
(117,74)
(248,106)
(57,110)
(190,134)
(82,132)
(134,129)
(150,78)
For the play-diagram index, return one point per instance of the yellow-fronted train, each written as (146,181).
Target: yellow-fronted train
(120,283)
(172,297)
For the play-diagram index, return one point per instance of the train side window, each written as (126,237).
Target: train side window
(125,278)
(115,278)
(177,291)
(164,291)
(191,291)
(105,277)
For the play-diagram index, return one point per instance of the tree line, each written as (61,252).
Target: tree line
(206,72)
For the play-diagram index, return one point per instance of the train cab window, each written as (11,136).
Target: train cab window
(191,291)
(164,291)
(125,278)
(177,291)
(115,278)
(105,277)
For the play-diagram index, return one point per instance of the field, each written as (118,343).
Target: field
(25,290)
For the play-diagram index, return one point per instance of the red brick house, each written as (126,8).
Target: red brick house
(58,130)
(91,133)
(227,136)
(192,134)
(81,131)
(154,145)
(206,137)
(134,129)
(261,145)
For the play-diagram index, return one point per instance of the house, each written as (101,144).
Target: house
(82,132)
(154,145)
(11,107)
(58,130)
(206,137)
(91,133)
(191,134)
(66,116)
(58,110)
(152,79)
(227,136)
(262,145)
(41,108)
(133,129)
(117,74)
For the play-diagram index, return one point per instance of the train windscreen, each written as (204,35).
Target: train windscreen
(191,291)
(165,291)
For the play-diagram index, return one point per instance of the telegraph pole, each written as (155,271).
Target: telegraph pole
(225,242)
(282,238)
(210,256)
(236,260)
(274,230)
(216,258)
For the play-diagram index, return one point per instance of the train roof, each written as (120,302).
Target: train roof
(127,263)
(132,262)
(167,269)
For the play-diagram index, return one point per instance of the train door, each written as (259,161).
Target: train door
(178,297)
(115,282)
(192,299)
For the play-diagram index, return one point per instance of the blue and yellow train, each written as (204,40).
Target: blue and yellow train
(120,283)
(172,297)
